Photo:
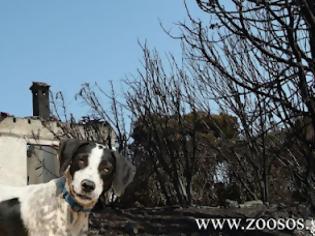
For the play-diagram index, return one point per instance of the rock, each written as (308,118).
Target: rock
(138,204)
(250,204)
(231,204)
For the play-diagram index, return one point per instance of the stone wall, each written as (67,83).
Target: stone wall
(16,135)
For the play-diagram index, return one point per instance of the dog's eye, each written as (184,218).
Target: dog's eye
(106,170)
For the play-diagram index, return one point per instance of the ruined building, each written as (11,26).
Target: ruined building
(28,145)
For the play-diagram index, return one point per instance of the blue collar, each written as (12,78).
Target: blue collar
(69,199)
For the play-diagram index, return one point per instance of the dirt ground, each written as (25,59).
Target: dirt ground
(181,221)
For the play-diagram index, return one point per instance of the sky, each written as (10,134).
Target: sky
(66,43)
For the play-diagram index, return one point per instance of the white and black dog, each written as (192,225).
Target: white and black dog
(61,207)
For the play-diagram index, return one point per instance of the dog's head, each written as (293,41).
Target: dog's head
(92,169)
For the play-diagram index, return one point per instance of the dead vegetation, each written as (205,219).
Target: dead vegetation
(232,121)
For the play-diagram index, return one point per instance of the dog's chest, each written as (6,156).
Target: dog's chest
(60,221)
(44,213)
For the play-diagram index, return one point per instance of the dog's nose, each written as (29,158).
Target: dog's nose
(87,185)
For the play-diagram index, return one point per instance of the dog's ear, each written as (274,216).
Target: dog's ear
(66,151)
(124,174)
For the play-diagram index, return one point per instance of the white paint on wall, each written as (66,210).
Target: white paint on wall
(13,169)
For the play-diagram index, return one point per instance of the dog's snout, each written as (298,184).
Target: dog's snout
(87,185)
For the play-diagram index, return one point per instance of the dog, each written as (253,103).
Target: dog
(61,207)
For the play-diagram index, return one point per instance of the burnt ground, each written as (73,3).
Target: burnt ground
(181,221)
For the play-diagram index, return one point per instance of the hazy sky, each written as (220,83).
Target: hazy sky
(68,42)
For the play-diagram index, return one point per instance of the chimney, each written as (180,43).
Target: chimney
(40,99)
